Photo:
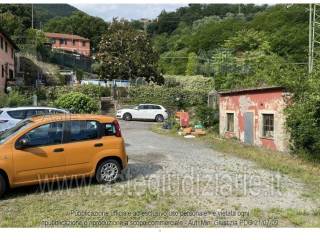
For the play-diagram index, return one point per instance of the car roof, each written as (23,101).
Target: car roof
(29,108)
(66,117)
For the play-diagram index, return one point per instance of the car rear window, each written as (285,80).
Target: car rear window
(1,112)
(83,130)
(42,112)
(143,107)
(109,129)
(17,114)
(30,113)
(56,112)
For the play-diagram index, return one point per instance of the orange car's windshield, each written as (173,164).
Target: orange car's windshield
(4,136)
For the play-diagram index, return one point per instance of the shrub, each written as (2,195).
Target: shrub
(93,91)
(173,98)
(194,83)
(207,116)
(77,102)
(178,92)
(303,122)
(48,95)
(15,99)
(173,62)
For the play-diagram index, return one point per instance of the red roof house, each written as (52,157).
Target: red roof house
(70,43)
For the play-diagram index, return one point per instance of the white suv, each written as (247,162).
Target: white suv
(9,117)
(144,111)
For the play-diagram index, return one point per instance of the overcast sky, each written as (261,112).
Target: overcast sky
(127,11)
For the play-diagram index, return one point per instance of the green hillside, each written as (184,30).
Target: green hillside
(45,12)
(16,18)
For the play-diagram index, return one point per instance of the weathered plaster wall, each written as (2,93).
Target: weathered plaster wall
(258,103)
(6,61)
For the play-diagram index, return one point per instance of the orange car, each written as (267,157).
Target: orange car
(49,148)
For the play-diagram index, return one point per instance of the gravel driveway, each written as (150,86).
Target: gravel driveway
(196,174)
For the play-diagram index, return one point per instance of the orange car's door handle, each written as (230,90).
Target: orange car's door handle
(98,145)
(58,150)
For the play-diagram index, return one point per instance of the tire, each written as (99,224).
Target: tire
(3,185)
(127,117)
(159,118)
(108,171)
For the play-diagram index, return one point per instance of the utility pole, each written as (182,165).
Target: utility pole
(145,24)
(32,16)
(314,37)
(311,42)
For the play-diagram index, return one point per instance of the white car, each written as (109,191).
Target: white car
(9,117)
(144,111)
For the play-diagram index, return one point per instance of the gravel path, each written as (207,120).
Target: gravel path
(193,172)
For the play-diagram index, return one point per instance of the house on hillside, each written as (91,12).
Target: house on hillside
(255,116)
(7,60)
(69,43)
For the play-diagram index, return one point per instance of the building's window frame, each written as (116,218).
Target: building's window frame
(227,122)
(1,42)
(267,126)
(6,46)
(2,71)
(83,43)
(11,74)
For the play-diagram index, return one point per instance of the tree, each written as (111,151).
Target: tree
(77,102)
(35,40)
(11,24)
(303,117)
(127,53)
(248,61)
(168,22)
(15,18)
(174,62)
(248,40)
(213,34)
(192,64)
(137,24)
(288,30)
